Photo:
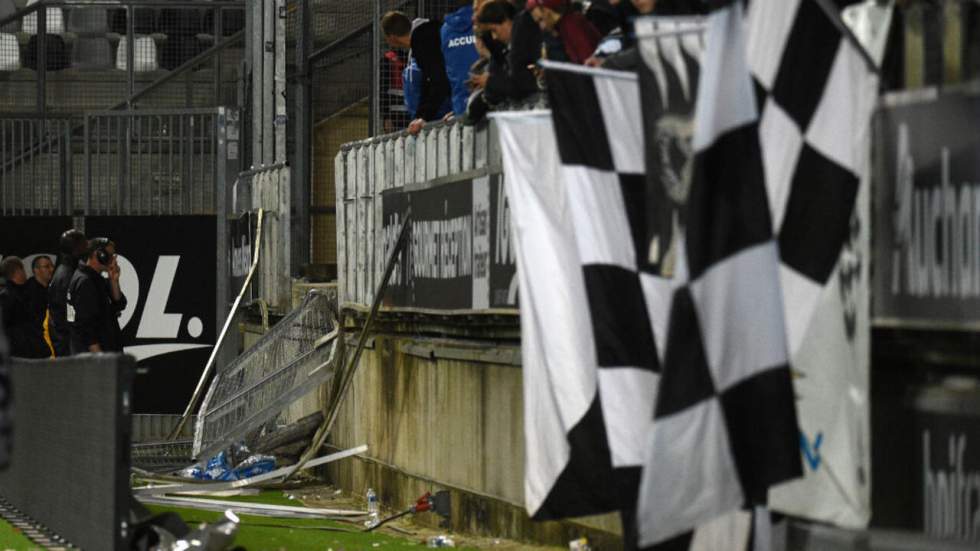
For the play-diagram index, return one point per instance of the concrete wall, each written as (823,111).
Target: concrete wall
(434,423)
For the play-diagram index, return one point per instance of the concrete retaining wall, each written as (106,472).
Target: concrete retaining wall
(434,423)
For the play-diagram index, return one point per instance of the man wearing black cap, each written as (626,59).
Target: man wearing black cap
(95,302)
(73,247)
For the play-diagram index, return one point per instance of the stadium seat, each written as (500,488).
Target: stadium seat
(88,21)
(57,55)
(8,8)
(55,21)
(9,52)
(145,55)
(144,21)
(92,53)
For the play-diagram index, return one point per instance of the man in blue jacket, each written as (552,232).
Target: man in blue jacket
(459,52)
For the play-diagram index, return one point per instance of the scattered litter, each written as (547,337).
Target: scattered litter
(372,507)
(235,484)
(227,466)
(441,541)
(581,544)
(338,492)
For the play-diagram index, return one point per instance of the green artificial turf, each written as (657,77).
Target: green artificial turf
(272,534)
(12,538)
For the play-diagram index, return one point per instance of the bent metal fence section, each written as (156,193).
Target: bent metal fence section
(247,396)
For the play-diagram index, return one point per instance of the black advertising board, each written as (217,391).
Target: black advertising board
(169,271)
(241,245)
(927,213)
(29,236)
(946,464)
(459,255)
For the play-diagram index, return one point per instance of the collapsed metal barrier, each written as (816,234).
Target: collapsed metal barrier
(246,397)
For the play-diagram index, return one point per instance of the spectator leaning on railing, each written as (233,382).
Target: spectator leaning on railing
(577,38)
(521,37)
(421,37)
(459,52)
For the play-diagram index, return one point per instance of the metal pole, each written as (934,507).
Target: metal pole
(268,84)
(303,123)
(41,62)
(130,54)
(258,47)
(374,107)
(280,82)
(206,374)
(218,30)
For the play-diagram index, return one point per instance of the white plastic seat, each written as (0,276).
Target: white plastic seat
(9,52)
(55,21)
(144,54)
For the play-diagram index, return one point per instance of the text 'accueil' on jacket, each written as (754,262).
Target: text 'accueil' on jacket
(459,52)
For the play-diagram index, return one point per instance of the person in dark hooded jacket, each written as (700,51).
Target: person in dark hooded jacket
(421,37)
(459,52)
(73,245)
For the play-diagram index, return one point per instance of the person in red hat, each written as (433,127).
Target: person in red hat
(578,36)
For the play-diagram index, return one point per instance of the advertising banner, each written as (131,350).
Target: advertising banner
(947,460)
(241,246)
(29,236)
(927,218)
(459,254)
(168,274)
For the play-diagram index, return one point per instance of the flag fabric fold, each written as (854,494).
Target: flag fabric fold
(669,267)
(783,107)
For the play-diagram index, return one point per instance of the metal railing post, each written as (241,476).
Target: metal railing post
(303,123)
(258,47)
(130,54)
(268,82)
(87,182)
(374,106)
(41,60)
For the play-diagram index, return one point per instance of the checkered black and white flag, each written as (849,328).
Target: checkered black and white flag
(575,180)
(777,162)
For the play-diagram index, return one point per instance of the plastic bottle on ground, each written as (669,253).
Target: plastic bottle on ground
(372,507)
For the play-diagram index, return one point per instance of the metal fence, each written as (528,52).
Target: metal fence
(291,360)
(37,162)
(70,56)
(118,162)
(349,102)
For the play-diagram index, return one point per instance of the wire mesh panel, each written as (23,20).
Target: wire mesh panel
(153,162)
(36,159)
(342,37)
(70,57)
(247,395)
